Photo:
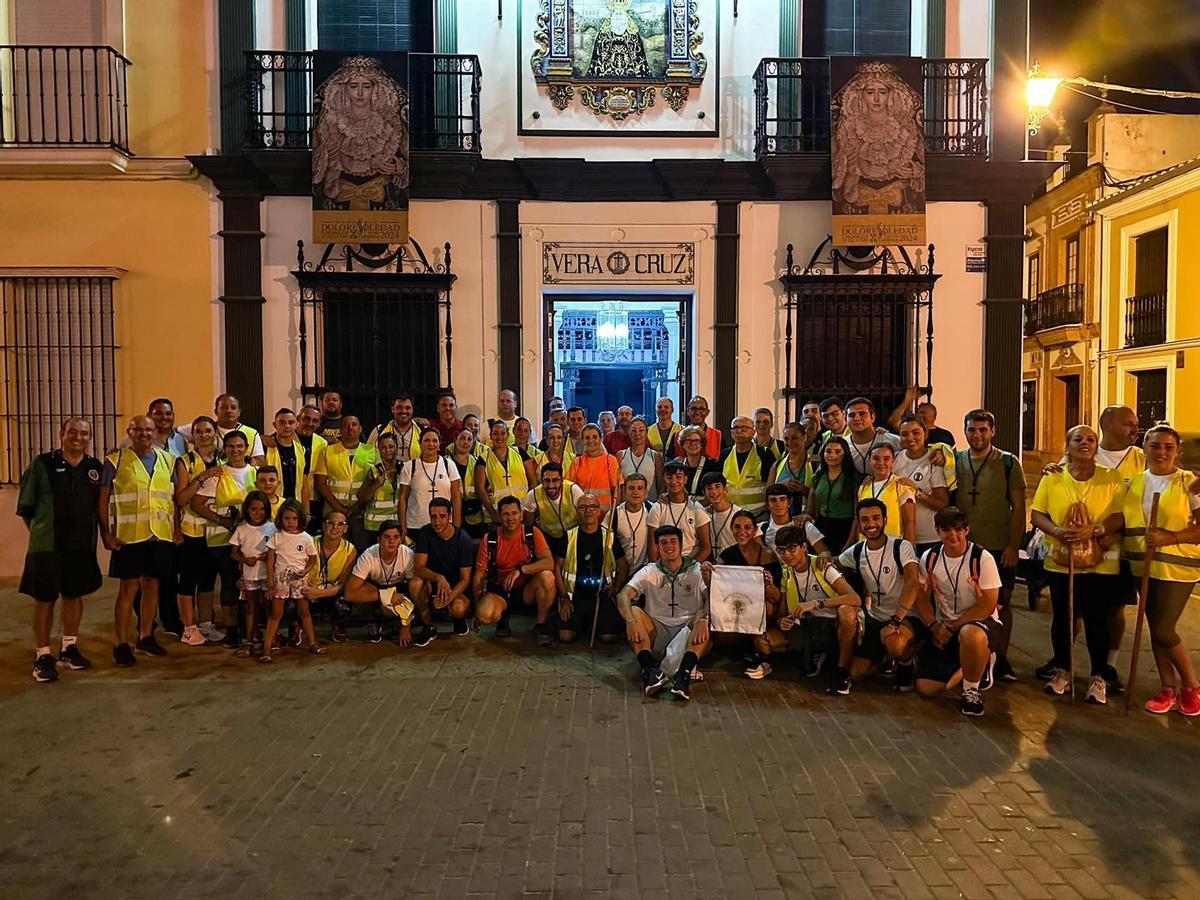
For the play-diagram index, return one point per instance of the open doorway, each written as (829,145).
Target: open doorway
(608,350)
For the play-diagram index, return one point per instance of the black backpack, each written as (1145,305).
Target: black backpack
(493,542)
(855,577)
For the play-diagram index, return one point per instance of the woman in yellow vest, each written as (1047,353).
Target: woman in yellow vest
(502,473)
(663,432)
(348,464)
(198,467)
(557,450)
(465,461)
(1097,589)
(380,490)
(793,470)
(522,434)
(598,472)
(900,499)
(335,561)
(1174,567)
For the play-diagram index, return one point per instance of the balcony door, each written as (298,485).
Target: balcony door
(1150,396)
(856,28)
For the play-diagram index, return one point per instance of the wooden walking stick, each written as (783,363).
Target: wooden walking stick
(1147,555)
(1071,618)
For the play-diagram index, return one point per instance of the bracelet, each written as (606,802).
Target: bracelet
(895,621)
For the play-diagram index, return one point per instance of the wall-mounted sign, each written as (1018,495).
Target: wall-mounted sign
(618,263)
(976,258)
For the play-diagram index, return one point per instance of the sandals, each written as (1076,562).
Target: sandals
(242,652)
(265,658)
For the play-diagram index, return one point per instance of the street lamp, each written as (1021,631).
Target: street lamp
(1040,90)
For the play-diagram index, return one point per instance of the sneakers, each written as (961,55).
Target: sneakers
(425,636)
(339,634)
(815,663)
(123,656)
(503,629)
(543,635)
(211,632)
(192,636)
(374,634)
(1112,679)
(1097,691)
(1003,671)
(841,682)
(461,628)
(971,703)
(760,671)
(683,684)
(902,681)
(888,669)
(1046,672)
(175,631)
(150,646)
(44,669)
(697,674)
(653,681)
(1059,683)
(73,659)
(1163,702)
(988,678)
(1189,701)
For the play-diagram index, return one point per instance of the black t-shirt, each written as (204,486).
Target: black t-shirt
(331,429)
(446,558)
(695,474)
(306,443)
(589,558)
(940,435)
(287,462)
(733,556)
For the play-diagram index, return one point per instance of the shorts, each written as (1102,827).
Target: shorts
(940,663)
(813,634)
(871,645)
(557,545)
(583,609)
(145,559)
(513,598)
(49,574)
(663,635)
(1126,589)
(197,567)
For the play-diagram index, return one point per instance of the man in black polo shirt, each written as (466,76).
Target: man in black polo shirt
(59,500)
(445,555)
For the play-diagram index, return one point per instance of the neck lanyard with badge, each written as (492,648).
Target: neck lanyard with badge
(721,528)
(954,579)
(632,530)
(876,496)
(802,594)
(863,457)
(878,576)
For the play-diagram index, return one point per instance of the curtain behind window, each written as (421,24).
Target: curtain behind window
(375,25)
(857,27)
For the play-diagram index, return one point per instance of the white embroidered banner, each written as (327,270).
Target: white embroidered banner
(737,600)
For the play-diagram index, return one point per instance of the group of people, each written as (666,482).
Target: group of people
(881,549)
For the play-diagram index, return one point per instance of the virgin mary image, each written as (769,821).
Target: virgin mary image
(618,51)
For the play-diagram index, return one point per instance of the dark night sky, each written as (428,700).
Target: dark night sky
(1144,43)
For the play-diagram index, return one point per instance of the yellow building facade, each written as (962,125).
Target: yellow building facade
(1150,320)
(106,242)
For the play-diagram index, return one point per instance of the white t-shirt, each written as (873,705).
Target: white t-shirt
(672,601)
(1112,459)
(926,476)
(1157,484)
(861,453)
(253,540)
(811,533)
(426,481)
(686,516)
(291,552)
(633,531)
(646,465)
(953,589)
(373,570)
(721,528)
(255,450)
(883,583)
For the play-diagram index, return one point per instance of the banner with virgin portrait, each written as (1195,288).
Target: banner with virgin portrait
(878,150)
(360,148)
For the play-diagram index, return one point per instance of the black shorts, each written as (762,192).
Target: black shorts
(197,567)
(514,599)
(49,574)
(1126,593)
(814,634)
(871,646)
(145,559)
(940,663)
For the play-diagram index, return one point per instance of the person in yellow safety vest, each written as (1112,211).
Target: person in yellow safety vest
(553,506)
(820,612)
(502,473)
(226,411)
(380,491)
(267,481)
(665,429)
(764,433)
(465,461)
(747,468)
(407,432)
(140,525)
(557,450)
(335,561)
(315,448)
(1174,565)
(287,455)
(521,437)
(348,464)
(590,571)
(927,470)
(885,486)
(197,468)
(794,470)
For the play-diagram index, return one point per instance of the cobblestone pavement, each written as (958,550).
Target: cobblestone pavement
(489,768)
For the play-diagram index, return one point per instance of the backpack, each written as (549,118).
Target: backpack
(972,565)
(855,578)
(493,543)
(1005,457)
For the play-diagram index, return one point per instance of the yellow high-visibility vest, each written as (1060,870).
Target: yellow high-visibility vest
(1177,562)
(747,487)
(505,482)
(571,559)
(229,497)
(791,585)
(191,524)
(347,470)
(329,569)
(272,457)
(555,521)
(141,506)
(655,438)
(384,504)
(412,451)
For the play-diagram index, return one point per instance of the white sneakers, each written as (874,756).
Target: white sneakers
(1097,691)
(192,636)
(1059,683)
(211,632)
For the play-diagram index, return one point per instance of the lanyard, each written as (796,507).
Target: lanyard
(876,496)
(953,579)
(637,466)
(720,528)
(878,576)
(557,512)
(632,530)
(675,520)
(808,572)
(388,574)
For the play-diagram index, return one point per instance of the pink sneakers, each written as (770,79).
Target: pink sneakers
(1189,701)
(1163,703)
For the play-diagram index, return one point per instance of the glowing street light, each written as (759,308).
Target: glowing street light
(1040,90)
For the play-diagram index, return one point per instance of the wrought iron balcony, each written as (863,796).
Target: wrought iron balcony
(792,106)
(443,113)
(1145,320)
(1059,306)
(58,96)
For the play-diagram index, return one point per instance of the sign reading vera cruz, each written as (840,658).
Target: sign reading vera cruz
(878,151)
(624,263)
(360,149)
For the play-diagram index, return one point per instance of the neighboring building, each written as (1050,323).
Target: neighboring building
(1150,325)
(1067,353)
(106,241)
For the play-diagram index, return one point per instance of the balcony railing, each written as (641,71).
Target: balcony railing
(1145,320)
(792,106)
(443,113)
(63,97)
(1062,305)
